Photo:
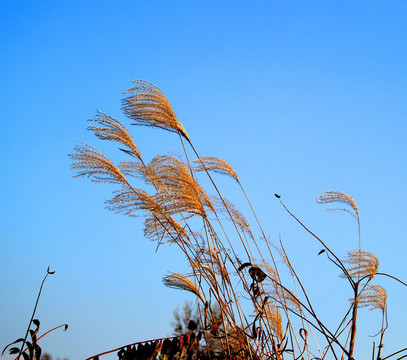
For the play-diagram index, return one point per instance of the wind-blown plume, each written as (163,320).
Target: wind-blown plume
(362,263)
(181,191)
(181,282)
(273,316)
(215,164)
(128,200)
(226,207)
(373,296)
(141,171)
(337,196)
(112,129)
(147,105)
(160,226)
(92,163)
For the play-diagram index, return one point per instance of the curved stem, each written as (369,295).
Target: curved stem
(35,309)
(339,264)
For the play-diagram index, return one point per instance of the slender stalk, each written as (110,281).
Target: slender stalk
(354,320)
(339,262)
(35,309)
(383,330)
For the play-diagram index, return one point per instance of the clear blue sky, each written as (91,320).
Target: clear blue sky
(299,97)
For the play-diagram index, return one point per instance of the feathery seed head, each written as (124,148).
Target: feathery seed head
(181,192)
(147,105)
(373,296)
(337,196)
(129,200)
(112,129)
(273,316)
(160,226)
(214,164)
(92,163)
(181,282)
(362,263)
(226,207)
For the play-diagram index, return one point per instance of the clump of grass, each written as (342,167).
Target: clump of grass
(260,316)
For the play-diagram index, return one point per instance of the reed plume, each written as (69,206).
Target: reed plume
(337,196)
(206,272)
(211,257)
(112,129)
(214,164)
(159,227)
(182,282)
(147,105)
(372,296)
(130,200)
(182,193)
(224,206)
(142,171)
(92,163)
(273,316)
(362,264)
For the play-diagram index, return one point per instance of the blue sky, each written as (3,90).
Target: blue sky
(298,97)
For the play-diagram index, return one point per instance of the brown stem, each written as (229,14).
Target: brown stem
(339,262)
(354,318)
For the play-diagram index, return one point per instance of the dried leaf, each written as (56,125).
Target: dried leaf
(257,274)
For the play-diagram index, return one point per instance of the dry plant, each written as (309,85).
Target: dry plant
(260,316)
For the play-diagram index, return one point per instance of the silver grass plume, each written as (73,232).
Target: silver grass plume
(273,316)
(226,207)
(147,105)
(130,200)
(362,263)
(111,129)
(141,171)
(337,196)
(159,227)
(181,193)
(372,296)
(206,272)
(92,163)
(210,257)
(181,282)
(214,164)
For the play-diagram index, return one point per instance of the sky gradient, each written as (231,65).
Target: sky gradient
(298,98)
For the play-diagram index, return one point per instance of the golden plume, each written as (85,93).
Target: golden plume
(206,272)
(92,163)
(161,227)
(181,282)
(362,263)
(181,192)
(147,105)
(226,207)
(215,164)
(373,296)
(273,316)
(128,200)
(141,171)
(337,196)
(112,129)
(210,257)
